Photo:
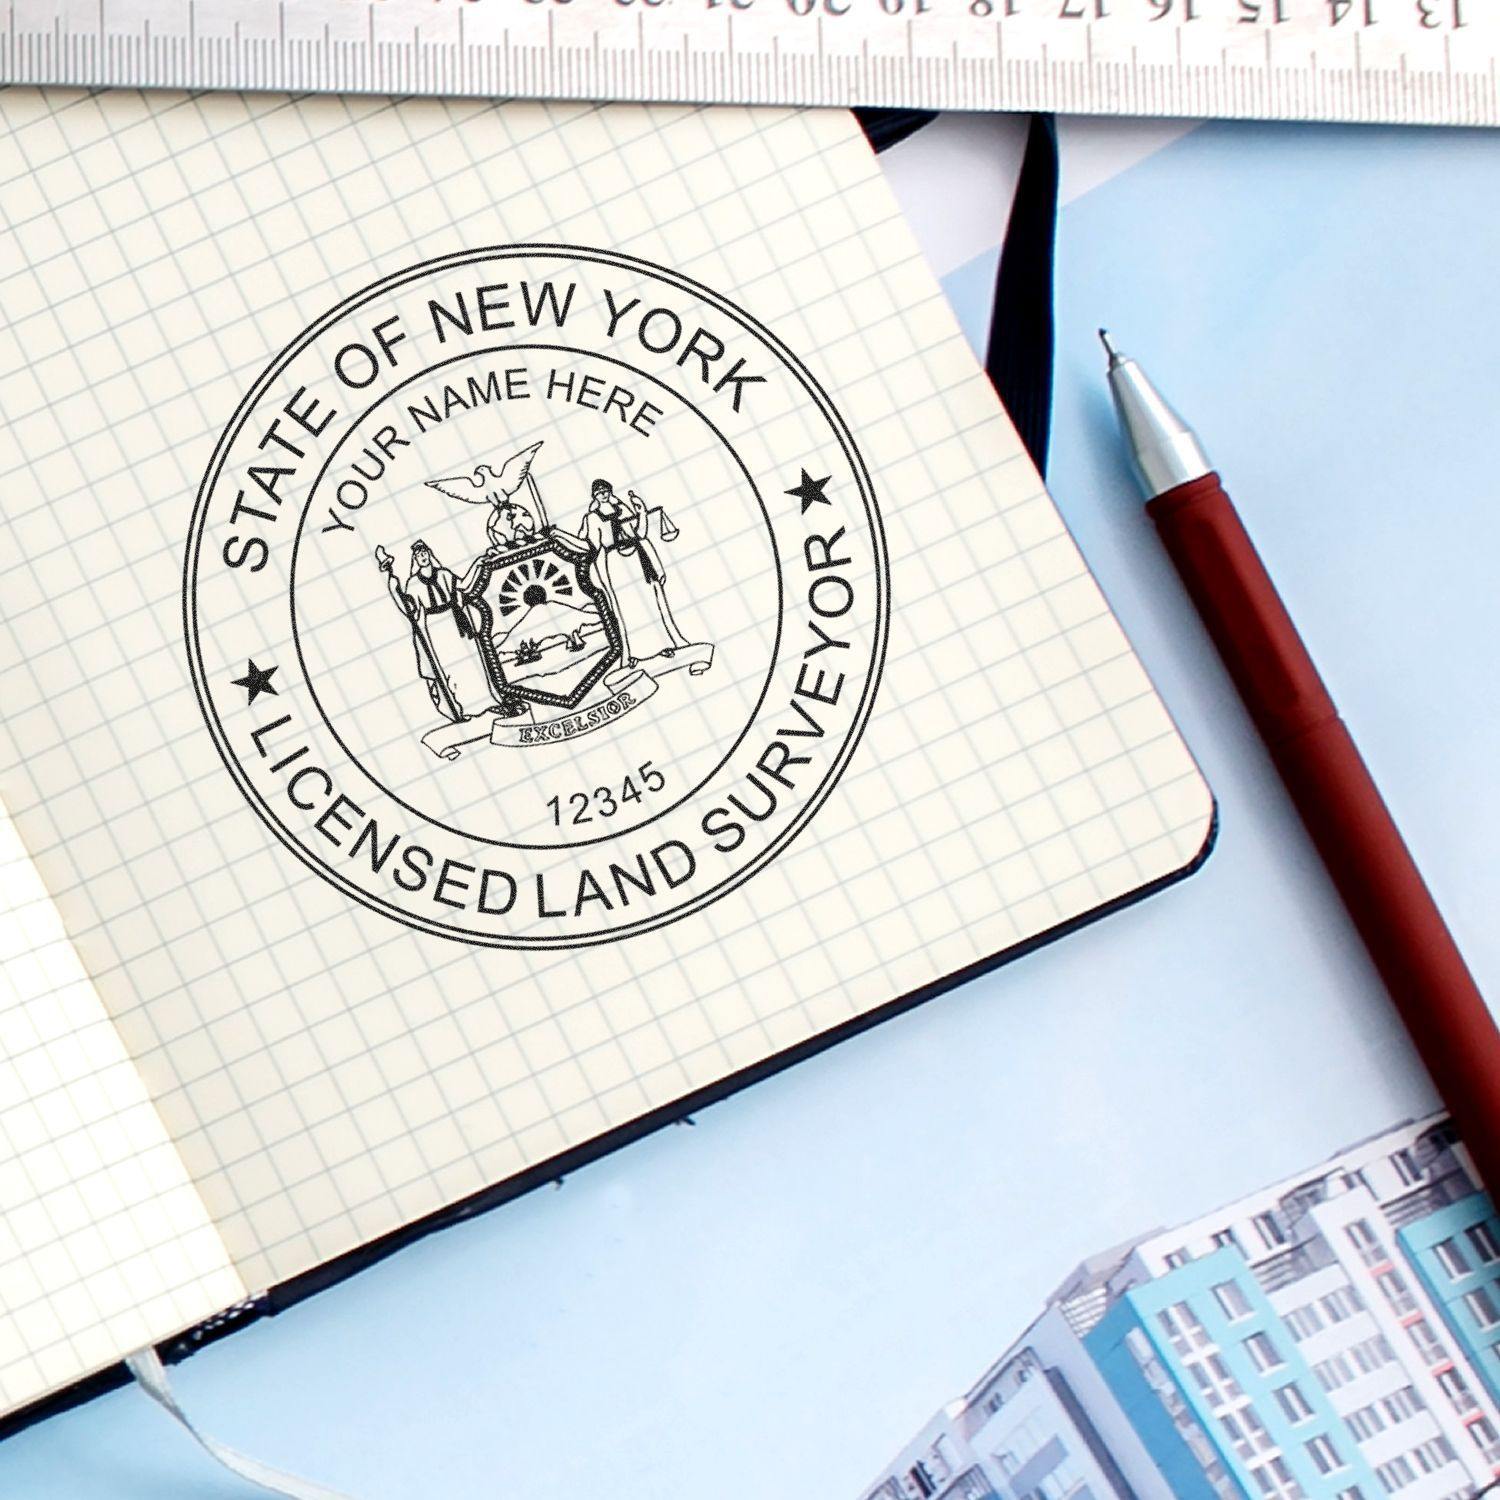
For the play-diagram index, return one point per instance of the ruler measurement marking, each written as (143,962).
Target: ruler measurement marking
(863,53)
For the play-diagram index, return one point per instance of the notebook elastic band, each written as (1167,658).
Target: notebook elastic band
(152,1377)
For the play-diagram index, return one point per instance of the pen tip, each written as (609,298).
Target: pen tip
(1109,348)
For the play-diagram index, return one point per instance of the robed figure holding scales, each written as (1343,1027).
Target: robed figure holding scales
(623,556)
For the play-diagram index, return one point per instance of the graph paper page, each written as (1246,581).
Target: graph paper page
(104,1244)
(515,614)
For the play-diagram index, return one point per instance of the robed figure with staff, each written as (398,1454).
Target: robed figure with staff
(444,626)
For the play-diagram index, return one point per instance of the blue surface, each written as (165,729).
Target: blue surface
(773,1301)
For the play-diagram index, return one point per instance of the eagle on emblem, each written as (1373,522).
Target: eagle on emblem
(510,524)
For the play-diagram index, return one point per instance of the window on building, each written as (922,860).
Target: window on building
(922,1483)
(1066,1479)
(1482,1307)
(1370,1354)
(1402,1404)
(1324,1454)
(1395,1475)
(1365,1241)
(1215,1381)
(1220,1482)
(1181,1317)
(1429,1345)
(1226,1239)
(1295,1407)
(1176,1258)
(1352,1493)
(1432,1455)
(1456,1389)
(1239,1438)
(1304,1321)
(1332,1373)
(1265,1353)
(1215,1362)
(1341,1303)
(1452,1258)
(1230,1296)
(1276,1481)
(1486,1242)
(1182,1327)
(1276,1478)
(1365,1423)
(1482,1430)
(1406,1167)
(1393,1284)
(1269,1231)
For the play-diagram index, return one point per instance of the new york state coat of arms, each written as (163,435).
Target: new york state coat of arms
(550,631)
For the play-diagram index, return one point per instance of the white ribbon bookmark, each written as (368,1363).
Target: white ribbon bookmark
(152,1377)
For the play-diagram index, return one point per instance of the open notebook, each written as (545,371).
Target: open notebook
(516,619)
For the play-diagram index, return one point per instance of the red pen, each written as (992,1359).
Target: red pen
(1340,804)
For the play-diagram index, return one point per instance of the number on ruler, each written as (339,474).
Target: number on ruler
(1449,47)
(1441,13)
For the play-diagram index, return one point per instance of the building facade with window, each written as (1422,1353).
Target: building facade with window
(1024,1429)
(1028,1423)
(1335,1336)
(1455,1252)
(1220,1390)
(937,1462)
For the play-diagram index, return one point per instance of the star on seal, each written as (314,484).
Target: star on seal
(810,491)
(257,680)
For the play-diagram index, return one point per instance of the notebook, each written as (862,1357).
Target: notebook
(517,620)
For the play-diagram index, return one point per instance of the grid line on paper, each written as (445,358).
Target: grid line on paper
(325,1074)
(104,1244)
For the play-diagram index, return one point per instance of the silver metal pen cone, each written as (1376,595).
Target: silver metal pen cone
(1165,450)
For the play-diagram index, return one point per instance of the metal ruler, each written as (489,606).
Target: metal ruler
(1419,61)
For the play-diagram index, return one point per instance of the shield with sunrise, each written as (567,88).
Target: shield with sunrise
(546,633)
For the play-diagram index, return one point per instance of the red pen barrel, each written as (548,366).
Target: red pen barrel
(1340,805)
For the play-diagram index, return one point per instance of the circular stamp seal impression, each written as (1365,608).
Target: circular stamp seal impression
(536,596)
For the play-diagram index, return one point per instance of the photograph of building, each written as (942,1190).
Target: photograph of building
(1335,1336)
